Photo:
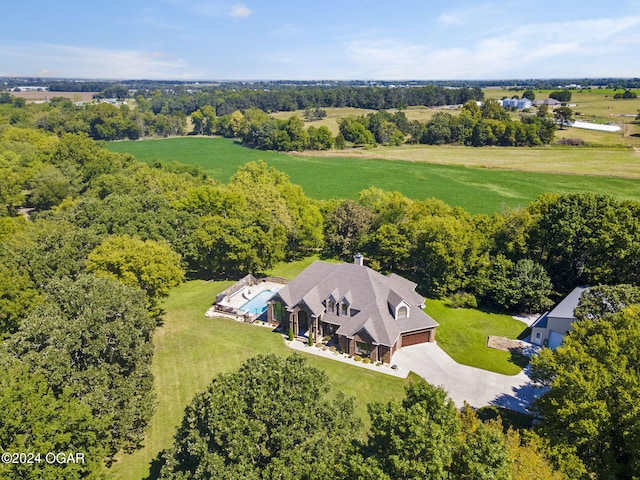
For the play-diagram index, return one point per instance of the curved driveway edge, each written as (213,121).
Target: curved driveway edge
(463,383)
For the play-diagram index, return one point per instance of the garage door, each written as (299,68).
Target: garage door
(415,338)
(555,339)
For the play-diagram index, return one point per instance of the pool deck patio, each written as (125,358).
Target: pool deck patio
(233,302)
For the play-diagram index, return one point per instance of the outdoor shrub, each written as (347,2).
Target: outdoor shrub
(291,334)
(326,338)
(463,300)
(324,349)
(333,349)
(357,358)
(574,142)
(310,339)
(366,360)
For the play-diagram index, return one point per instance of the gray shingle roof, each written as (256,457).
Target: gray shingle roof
(368,294)
(566,307)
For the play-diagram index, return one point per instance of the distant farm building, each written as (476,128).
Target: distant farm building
(552,102)
(517,103)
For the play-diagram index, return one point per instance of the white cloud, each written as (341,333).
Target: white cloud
(534,48)
(239,10)
(87,62)
(465,16)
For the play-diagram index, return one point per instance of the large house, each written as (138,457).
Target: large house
(364,312)
(550,328)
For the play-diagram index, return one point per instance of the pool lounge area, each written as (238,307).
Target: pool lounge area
(258,304)
(247,299)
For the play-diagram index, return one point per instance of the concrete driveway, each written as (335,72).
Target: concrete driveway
(475,386)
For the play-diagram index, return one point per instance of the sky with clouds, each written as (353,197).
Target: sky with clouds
(317,40)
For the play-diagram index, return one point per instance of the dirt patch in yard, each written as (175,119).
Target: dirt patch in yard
(517,349)
(506,344)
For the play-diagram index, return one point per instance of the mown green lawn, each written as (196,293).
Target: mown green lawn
(477,190)
(290,270)
(190,350)
(463,335)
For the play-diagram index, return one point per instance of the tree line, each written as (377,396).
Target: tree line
(120,233)
(489,124)
(177,86)
(157,108)
(159,115)
(101,121)
(226,101)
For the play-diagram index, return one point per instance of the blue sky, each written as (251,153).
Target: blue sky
(314,40)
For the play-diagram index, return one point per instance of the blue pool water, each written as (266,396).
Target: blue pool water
(258,304)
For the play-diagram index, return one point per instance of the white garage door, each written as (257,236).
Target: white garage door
(555,339)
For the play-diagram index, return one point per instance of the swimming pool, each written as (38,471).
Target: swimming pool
(258,304)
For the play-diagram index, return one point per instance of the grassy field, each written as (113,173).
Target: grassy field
(440,172)
(291,269)
(334,115)
(463,335)
(190,350)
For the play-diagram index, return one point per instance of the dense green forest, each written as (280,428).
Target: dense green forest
(91,241)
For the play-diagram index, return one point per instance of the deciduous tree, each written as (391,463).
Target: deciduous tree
(594,393)
(415,438)
(564,116)
(272,418)
(151,266)
(91,340)
(344,228)
(602,301)
(34,422)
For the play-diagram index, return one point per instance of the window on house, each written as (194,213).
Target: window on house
(403,312)
(345,309)
(330,306)
(363,348)
(538,335)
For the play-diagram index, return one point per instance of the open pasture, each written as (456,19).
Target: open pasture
(441,172)
(42,96)
(334,115)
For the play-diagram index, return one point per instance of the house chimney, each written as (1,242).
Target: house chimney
(358,259)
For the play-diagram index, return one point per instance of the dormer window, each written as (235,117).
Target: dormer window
(400,310)
(345,309)
(331,306)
